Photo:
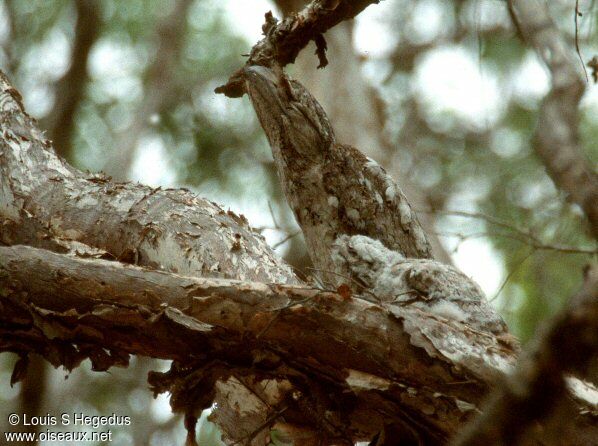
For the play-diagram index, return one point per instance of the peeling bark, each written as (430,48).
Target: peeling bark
(311,364)
(45,202)
(378,362)
(319,366)
(70,90)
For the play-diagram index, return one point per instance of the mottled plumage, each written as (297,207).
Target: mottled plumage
(425,284)
(333,189)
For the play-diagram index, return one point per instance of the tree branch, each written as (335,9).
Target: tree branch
(381,363)
(332,364)
(45,202)
(283,40)
(556,139)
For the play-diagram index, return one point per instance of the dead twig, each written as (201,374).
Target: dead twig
(286,239)
(576,16)
(283,40)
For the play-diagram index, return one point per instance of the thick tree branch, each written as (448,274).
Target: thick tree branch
(45,202)
(283,40)
(556,139)
(384,363)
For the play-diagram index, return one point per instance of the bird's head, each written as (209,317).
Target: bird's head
(290,116)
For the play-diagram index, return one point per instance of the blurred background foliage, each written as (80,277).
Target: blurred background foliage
(127,87)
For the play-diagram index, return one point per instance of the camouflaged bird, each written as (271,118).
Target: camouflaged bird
(333,189)
(424,284)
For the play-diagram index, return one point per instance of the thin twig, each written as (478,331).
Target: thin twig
(252,390)
(532,244)
(365,290)
(511,273)
(276,225)
(248,438)
(525,236)
(283,40)
(286,239)
(577,14)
